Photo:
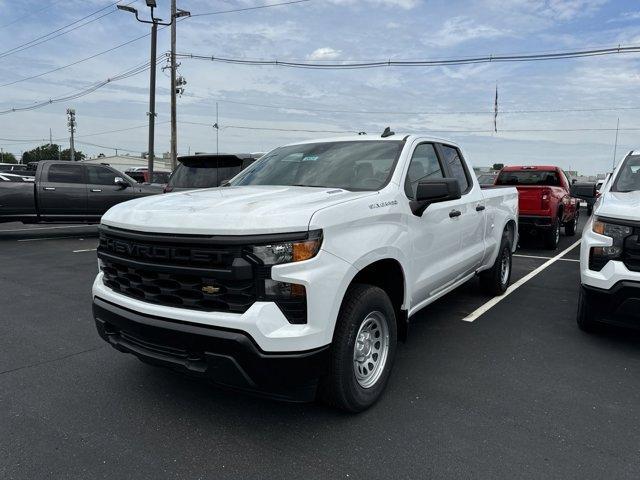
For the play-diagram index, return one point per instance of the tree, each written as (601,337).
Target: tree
(43,152)
(7,157)
(498,166)
(66,155)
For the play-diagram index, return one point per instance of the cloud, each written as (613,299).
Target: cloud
(324,53)
(457,30)
(556,10)
(625,17)
(404,4)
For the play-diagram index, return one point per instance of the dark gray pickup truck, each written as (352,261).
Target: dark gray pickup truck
(68,192)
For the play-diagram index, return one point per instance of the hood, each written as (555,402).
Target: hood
(228,210)
(625,206)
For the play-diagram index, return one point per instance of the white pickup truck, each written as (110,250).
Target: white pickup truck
(610,250)
(297,278)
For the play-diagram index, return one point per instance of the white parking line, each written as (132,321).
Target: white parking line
(86,250)
(44,228)
(495,300)
(547,258)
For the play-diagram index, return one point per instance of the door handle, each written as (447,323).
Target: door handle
(49,189)
(480,208)
(96,190)
(455,213)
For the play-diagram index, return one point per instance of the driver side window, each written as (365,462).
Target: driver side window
(424,166)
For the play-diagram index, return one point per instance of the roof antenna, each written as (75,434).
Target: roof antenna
(387,133)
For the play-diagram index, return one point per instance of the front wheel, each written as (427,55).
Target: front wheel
(363,349)
(495,281)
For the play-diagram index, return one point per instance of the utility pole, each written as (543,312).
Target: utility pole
(175,14)
(71,122)
(174,112)
(217,127)
(615,146)
(152,98)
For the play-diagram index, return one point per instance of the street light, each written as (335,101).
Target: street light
(152,75)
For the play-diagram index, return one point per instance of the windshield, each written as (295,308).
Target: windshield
(528,177)
(357,165)
(629,177)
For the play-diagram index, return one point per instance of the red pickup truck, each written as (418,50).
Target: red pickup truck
(545,201)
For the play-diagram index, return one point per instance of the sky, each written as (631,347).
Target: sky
(289,105)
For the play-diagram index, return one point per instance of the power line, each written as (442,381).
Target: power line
(81,93)
(235,10)
(246,127)
(354,64)
(44,38)
(416,112)
(57,69)
(28,14)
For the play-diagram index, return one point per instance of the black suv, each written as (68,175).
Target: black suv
(207,170)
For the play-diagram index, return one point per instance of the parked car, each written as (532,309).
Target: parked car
(300,276)
(610,251)
(12,167)
(69,192)
(141,175)
(545,201)
(12,177)
(206,171)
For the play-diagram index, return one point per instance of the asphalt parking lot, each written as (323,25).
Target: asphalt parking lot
(519,392)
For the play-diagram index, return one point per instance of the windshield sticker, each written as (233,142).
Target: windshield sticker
(310,158)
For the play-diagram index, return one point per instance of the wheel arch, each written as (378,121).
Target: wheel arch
(389,275)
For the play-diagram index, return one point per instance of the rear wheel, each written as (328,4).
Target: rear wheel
(570,227)
(363,349)
(585,318)
(552,236)
(495,281)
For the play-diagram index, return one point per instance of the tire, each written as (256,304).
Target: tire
(570,227)
(495,281)
(585,319)
(552,236)
(354,384)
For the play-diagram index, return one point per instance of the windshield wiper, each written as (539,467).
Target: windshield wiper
(313,186)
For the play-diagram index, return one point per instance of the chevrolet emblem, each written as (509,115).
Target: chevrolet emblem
(210,289)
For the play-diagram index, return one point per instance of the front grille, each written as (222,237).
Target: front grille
(184,272)
(197,292)
(212,274)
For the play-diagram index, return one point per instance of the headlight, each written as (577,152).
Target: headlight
(599,256)
(288,252)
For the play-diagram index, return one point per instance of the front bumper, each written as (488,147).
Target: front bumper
(619,305)
(225,356)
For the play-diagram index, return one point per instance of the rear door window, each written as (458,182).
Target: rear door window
(453,159)
(61,173)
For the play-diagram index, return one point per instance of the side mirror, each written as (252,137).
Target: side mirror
(121,182)
(434,191)
(585,191)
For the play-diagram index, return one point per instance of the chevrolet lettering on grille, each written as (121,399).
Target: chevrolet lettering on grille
(155,252)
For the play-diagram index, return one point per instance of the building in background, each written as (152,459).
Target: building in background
(129,162)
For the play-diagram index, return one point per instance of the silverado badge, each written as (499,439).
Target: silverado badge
(210,289)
